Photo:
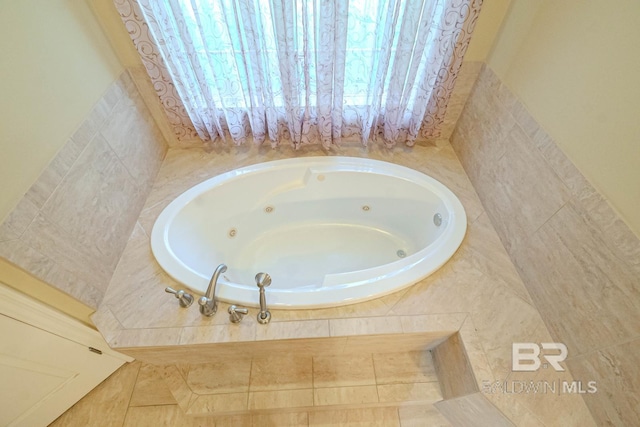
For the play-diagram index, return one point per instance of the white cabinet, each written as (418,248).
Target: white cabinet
(48,361)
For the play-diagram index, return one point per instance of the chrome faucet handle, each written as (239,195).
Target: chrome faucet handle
(263,280)
(209,303)
(236,313)
(184,298)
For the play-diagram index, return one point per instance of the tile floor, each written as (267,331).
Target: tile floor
(395,389)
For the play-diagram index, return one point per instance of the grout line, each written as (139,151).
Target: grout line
(599,349)
(126,412)
(375,377)
(184,377)
(121,162)
(45,203)
(480,342)
(273,390)
(373,363)
(250,379)
(249,386)
(313,382)
(530,235)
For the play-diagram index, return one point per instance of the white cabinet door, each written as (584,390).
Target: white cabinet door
(42,373)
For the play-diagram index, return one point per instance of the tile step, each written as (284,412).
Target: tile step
(204,410)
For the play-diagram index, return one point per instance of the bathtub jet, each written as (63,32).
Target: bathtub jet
(328,230)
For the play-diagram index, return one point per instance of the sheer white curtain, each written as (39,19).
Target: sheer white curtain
(303,70)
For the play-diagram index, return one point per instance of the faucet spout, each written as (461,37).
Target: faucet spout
(209,303)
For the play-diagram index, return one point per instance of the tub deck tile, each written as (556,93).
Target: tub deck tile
(473,292)
(290,330)
(365,326)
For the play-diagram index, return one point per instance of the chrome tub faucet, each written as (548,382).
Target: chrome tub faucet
(209,303)
(236,313)
(185,299)
(263,280)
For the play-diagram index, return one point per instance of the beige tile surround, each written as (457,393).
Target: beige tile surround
(137,395)
(72,225)
(478,290)
(268,384)
(479,293)
(386,389)
(579,261)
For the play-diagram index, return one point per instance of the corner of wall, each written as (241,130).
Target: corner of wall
(20,280)
(73,223)
(578,259)
(514,28)
(113,27)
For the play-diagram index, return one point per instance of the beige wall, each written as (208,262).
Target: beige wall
(578,260)
(491,16)
(116,32)
(56,63)
(575,66)
(73,223)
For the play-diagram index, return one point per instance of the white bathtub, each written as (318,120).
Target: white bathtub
(328,230)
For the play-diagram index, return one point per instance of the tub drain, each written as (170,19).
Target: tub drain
(437,220)
(401,253)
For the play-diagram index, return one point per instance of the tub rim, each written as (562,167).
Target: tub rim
(407,271)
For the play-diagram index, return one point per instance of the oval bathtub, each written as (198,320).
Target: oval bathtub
(328,230)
